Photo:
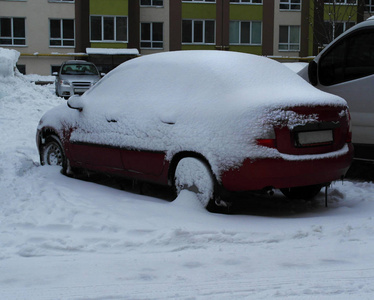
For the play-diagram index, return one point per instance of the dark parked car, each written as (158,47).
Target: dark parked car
(212,122)
(75,77)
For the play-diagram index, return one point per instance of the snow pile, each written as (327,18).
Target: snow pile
(21,105)
(8,60)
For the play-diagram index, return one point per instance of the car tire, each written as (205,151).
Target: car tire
(302,192)
(52,153)
(194,175)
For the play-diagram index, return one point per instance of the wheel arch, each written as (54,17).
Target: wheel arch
(43,135)
(179,156)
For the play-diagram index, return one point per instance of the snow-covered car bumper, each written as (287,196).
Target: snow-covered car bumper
(286,172)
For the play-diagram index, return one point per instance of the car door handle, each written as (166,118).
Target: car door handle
(112,121)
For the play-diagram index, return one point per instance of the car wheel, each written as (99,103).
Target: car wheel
(302,192)
(52,153)
(194,175)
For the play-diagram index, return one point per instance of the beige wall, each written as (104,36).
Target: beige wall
(37,14)
(157,14)
(284,18)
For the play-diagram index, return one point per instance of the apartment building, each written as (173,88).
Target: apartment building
(38,27)
(47,32)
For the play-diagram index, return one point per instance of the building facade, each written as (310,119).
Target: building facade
(38,29)
(47,32)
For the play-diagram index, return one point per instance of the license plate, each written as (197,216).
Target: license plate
(312,138)
(80,90)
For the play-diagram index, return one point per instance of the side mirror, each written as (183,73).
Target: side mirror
(75,102)
(312,73)
(102,74)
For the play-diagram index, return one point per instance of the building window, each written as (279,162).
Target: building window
(245,32)
(68,1)
(334,29)
(158,3)
(369,5)
(198,31)
(246,1)
(290,5)
(289,38)
(340,1)
(61,33)
(21,69)
(201,1)
(12,31)
(108,28)
(152,35)
(55,69)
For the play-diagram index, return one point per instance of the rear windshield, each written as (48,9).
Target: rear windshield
(79,69)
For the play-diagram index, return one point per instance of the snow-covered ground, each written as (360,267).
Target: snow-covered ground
(65,238)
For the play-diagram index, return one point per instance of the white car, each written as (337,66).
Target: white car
(346,68)
(75,77)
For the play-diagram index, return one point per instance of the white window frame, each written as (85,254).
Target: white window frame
(251,43)
(289,4)
(151,41)
(340,2)
(199,1)
(289,44)
(369,5)
(203,33)
(61,38)
(62,1)
(345,24)
(115,29)
(253,2)
(12,36)
(152,4)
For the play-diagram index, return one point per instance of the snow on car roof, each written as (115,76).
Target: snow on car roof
(207,77)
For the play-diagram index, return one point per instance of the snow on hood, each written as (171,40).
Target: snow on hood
(213,102)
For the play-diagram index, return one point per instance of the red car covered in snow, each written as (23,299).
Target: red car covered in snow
(212,122)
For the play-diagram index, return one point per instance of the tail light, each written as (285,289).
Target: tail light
(268,140)
(270,143)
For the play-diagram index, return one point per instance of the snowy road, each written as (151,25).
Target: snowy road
(64,238)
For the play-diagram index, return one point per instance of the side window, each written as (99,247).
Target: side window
(350,59)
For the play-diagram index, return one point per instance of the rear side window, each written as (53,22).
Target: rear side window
(351,58)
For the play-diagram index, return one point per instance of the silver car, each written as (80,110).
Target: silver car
(75,77)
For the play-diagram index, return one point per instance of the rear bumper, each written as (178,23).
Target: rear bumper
(284,173)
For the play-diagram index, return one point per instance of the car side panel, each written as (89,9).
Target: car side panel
(144,162)
(133,164)
(96,157)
